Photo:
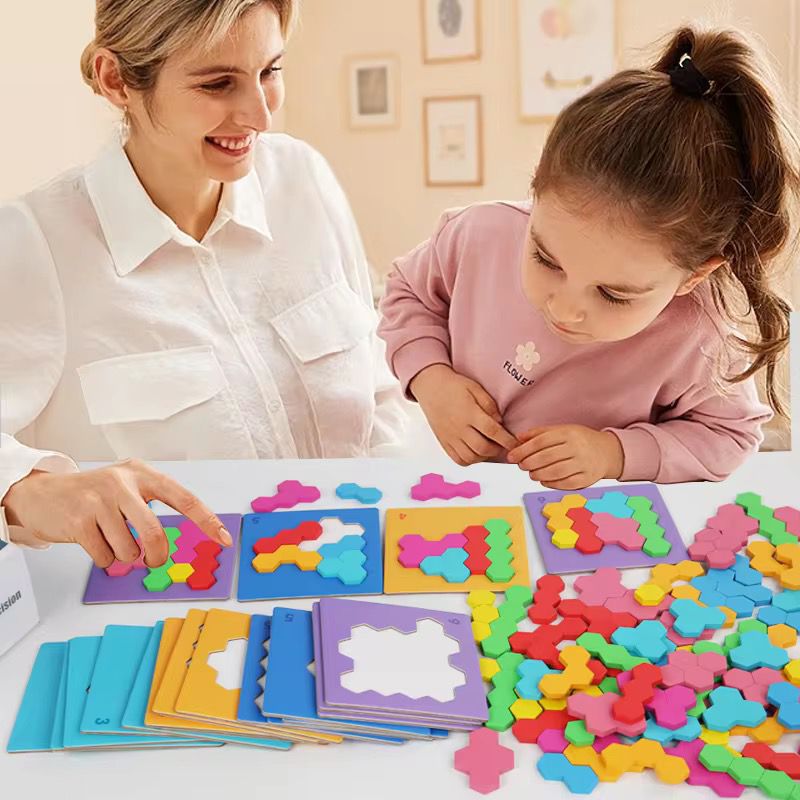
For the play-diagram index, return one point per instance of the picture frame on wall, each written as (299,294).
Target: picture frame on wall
(565,47)
(451,30)
(373,89)
(453,129)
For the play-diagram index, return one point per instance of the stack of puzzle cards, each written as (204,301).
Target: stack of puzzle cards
(288,554)
(454,549)
(396,665)
(621,526)
(197,568)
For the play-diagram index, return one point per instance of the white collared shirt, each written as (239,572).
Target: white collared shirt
(123,336)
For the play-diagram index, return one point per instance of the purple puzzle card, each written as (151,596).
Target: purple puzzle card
(103,588)
(339,620)
(559,561)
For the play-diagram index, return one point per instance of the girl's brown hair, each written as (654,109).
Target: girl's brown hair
(712,175)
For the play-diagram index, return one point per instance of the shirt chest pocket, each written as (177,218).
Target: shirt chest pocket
(165,405)
(328,337)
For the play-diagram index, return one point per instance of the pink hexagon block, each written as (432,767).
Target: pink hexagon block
(552,741)
(697,671)
(289,494)
(434,487)
(670,705)
(753,685)
(415,549)
(623,532)
(595,711)
(484,759)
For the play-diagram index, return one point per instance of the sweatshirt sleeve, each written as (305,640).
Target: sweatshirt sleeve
(33,336)
(416,306)
(706,434)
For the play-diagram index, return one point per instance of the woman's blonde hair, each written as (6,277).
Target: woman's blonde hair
(143,33)
(711,175)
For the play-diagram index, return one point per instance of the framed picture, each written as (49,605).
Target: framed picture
(565,48)
(453,141)
(373,90)
(451,30)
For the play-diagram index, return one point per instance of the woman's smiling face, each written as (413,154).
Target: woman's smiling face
(209,105)
(593,278)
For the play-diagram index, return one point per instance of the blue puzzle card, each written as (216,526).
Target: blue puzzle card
(257,643)
(290,686)
(37,717)
(317,553)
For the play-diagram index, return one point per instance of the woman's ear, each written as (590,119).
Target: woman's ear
(109,80)
(700,274)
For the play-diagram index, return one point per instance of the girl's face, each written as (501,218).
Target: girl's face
(209,105)
(593,280)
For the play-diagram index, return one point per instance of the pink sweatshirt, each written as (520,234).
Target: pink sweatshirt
(457,299)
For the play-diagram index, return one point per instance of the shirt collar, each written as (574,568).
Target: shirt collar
(134,227)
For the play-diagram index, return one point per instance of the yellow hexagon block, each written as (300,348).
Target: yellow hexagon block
(715,737)
(686,592)
(180,572)
(769,732)
(480,597)
(481,630)
(592,691)
(649,594)
(564,539)
(558,522)
(553,704)
(306,560)
(782,636)
(569,501)
(792,671)
(485,614)
(525,709)
(489,668)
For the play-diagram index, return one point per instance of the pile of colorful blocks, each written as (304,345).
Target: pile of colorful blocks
(666,676)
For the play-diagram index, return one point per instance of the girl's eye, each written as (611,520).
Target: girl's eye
(219,86)
(537,256)
(609,298)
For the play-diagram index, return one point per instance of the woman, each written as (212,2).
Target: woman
(196,292)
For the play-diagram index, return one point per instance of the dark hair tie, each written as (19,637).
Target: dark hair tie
(688,79)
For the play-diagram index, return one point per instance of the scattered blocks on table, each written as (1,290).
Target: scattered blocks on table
(636,693)
(289,494)
(648,640)
(719,782)
(366,495)
(697,671)
(646,754)
(753,685)
(546,599)
(434,487)
(484,759)
(597,713)
(530,672)
(575,675)
(755,650)
(692,619)
(671,706)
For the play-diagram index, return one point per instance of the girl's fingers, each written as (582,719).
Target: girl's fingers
(116,532)
(570,484)
(161,487)
(479,444)
(493,430)
(560,471)
(542,459)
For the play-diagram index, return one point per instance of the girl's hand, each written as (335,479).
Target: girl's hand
(463,417)
(568,456)
(92,508)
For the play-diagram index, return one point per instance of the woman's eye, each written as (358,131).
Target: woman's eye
(271,73)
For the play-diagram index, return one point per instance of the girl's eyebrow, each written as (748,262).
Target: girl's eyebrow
(621,288)
(220,68)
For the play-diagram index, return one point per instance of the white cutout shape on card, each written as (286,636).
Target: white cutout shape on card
(229,664)
(333,530)
(389,662)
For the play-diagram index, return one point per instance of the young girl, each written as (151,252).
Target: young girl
(589,334)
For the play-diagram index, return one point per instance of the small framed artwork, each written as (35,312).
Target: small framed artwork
(453,141)
(373,89)
(565,48)
(451,30)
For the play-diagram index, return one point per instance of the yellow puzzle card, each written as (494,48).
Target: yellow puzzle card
(455,549)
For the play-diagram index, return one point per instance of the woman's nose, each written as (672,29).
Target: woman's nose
(254,112)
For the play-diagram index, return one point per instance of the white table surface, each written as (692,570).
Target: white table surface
(352,770)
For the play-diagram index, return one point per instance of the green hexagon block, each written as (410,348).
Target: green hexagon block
(495,645)
(656,547)
(158,580)
(716,758)
(576,733)
(746,771)
(519,595)
(731,641)
(777,784)
(610,685)
(500,573)
(751,625)
(708,647)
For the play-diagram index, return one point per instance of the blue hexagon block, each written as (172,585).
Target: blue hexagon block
(786,698)
(348,567)
(556,767)
(648,640)
(793,620)
(729,709)
(788,600)
(772,615)
(366,495)
(335,549)
(614,503)
(745,574)
(531,672)
(686,733)
(450,565)
(691,619)
(755,650)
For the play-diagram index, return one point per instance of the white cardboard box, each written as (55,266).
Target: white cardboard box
(18,612)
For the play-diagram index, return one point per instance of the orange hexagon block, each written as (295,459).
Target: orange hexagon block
(305,560)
